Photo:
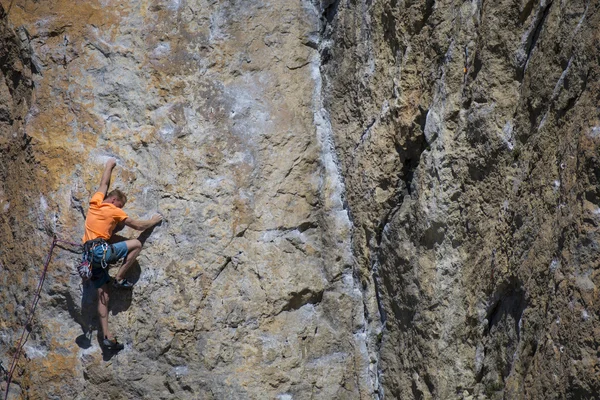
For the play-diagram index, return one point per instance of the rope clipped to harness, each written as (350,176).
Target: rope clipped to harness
(84,269)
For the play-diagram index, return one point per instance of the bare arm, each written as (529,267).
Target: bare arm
(105,181)
(142,225)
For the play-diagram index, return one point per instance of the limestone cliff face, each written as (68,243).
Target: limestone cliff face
(214,112)
(362,199)
(468,139)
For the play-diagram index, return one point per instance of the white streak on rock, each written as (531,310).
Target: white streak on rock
(180,370)
(162,50)
(594,132)
(584,315)
(33,351)
(340,227)
(43,203)
(507,135)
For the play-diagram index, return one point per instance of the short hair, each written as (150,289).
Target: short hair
(117,194)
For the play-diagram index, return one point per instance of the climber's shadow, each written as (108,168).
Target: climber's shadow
(83,341)
(87,320)
(120,299)
(107,354)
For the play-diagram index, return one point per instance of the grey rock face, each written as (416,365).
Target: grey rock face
(465,135)
(367,199)
(215,115)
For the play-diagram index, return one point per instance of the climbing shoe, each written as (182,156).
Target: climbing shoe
(122,283)
(112,344)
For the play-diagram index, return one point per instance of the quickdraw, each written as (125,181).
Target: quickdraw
(87,259)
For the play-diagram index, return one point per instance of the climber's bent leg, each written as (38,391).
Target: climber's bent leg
(134,247)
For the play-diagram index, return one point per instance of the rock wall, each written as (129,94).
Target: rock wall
(468,137)
(214,112)
(362,199)
(20,189)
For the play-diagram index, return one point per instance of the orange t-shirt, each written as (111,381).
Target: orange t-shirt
(102,218)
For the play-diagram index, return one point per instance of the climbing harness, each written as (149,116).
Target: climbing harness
(27,327)
(85,266)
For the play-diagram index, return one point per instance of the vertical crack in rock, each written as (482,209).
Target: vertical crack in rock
(531,37)
(339,219)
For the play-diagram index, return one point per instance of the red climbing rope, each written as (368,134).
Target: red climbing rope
(36,298)
(65,242)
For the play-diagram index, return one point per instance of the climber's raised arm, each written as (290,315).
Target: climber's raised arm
(105,181)
(142,225)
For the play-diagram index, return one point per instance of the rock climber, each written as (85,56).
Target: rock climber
(104,216)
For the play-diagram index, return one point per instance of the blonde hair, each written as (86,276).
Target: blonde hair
(117,194)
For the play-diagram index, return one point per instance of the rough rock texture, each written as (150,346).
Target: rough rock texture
(19,187)
(468,138)
(213,111)
(362,199)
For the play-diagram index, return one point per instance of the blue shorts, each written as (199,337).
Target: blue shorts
(114,253)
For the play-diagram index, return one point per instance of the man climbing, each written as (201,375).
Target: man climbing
(104,215)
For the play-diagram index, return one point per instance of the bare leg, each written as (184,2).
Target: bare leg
(134,247)
(103,310)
